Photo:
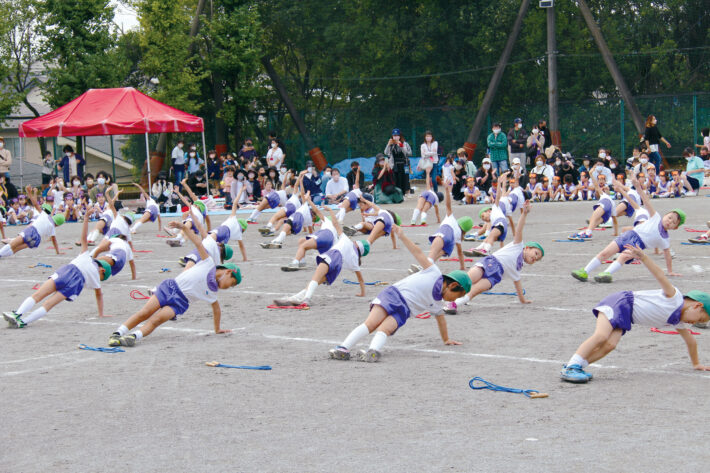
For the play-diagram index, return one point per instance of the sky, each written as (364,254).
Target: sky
(126,17)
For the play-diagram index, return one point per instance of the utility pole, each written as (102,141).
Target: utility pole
(470,145)
(552,95)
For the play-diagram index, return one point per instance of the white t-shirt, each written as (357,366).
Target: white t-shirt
(430,151)
(44,225)
(451,221)
(197,215)
(417,290)
(335,188)
(471,192)
(199,281)
(295,200)
(235,230)
(282,197)
(347,249)
(212,249)
(58,198)
(496,214)
(511,258)
(120,224)
(652,233)
(357,192)
(120,244)
(85,263)
(447,171)
(652,308)
(328,225)
(274,157)
(305,211)
(151,203)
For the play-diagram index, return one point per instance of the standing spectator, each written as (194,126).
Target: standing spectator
(275,156)
(399,152)
(545,133)
(535,145)
(429,153)
(498,149)
(177,158)
(694,170)
(71,164)
(311,182)
(5,158)
(325,178)
(517,140)
(354,171)
(485,176)
(705,135)
(47,169)
(273,136)
(653,137)
(336,188)
(214,170)
(162,190)
(194,161)
(246,154)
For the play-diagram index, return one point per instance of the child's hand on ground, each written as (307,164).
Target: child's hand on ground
(223,330)
(451,342)
(700,367)
(671,273)
(525,301)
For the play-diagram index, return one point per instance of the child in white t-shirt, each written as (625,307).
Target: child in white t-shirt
(449,235)
(321,241)
(197,212)
(151,213)
(618,312)
(424,291)
(427,200)
(291,205)
(172,297)
(232,229)
(376,222)
(302,218)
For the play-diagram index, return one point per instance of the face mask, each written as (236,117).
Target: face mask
(644,161)
(180,145)
(192,154)
(66,154)
(558,162)
(602,155)
(89,182)
(327,174)
(101,181)
(240,177)
(457,166)
(310,169)
(517,126)
(486,166)
(535,131)
(539,163)
(2,145)
(496,130)
(612,166)
(283,170)
(76,183)
(274,145)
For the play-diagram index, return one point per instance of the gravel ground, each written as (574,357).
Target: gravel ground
(157,407)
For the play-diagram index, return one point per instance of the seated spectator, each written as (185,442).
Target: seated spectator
(471,194)
(198,182)
(162,190)
(567,169)
(543,169)
(642,162)
(600,168)
(355,169)
(311,183)
(385,191)
(325,178)
(485,176)
(336,189)
(694,170)
(705,156)
(586,164)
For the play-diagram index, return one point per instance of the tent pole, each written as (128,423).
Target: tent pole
(22,158)
(204,151)
(113,161)
(147,159)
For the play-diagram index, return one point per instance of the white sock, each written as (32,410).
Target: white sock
(122,330)
(254,214)
(587,231)
(5,251)
(300,295)
(136,225)
(487,246)
(270,225)
(295,261)
(378,341)
(613,267)
(311,289)
(28,304)
(93,235)
(592,265)
(423,217)
(578,360)
(355,336)
(138,334)
(415,216)
(341,215)
(36,315)
(462,300)
(280,238)
(358,226)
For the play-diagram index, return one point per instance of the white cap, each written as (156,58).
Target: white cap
(516,160)
(487,160)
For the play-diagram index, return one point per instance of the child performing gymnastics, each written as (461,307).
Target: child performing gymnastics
(301,218)
(172,297)
(603,209)
(352,199)
(40,228)
(616,313)
(344,254)
(271,200)
(653,233)
(427,200)
(293,203)
(321,241)
(152,211)
(376,222)
(119,252)
(197,212)
(506,262)
(424,291)
(232,229)
(66,284)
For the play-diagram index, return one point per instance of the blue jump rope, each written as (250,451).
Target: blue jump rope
(101,349)
(531,393)
(217,364)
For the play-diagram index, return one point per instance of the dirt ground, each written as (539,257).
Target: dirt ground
(157,407)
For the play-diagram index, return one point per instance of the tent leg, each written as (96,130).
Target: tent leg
(204,150)
(147,159)
(113,161)
(22,158)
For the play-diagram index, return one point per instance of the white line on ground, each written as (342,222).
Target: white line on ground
(52,355)
(44,368)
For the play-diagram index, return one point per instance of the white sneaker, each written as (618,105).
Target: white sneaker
(691,194)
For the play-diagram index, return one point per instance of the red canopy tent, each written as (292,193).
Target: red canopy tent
(120,111)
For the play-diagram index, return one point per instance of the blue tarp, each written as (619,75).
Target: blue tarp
(366,165)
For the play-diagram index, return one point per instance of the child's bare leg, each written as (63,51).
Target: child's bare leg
(388,326)
(596,218)
(305,244)
(143,314)
(596,341)
(156,320)
(47,288)
(436,249)
(376,317)
(320,272)
(607,347)
(376,232)
(145,218)
(281,214)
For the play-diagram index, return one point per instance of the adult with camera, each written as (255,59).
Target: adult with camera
(399,152)
(383,180)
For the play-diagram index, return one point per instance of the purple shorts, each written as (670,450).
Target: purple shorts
(68,281)
(170,295)
(334,260)
(387,221)
(296,222)
(429,197)
(394,304)
(492,269)
(447,235)
(113,231)
(153,212)
(109,221)
(290,209)
(629,209)
(273,199)
(324,240)
(31,237)
(193,226)
(607,205)
(352,200)
(223,234)
(622,307)
(502,225)
(119,261)
(629,238)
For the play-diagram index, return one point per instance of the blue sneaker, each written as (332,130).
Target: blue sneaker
(574,374)
(579,236)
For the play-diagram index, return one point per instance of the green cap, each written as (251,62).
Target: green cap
(462,278)
(228,252)
(700,296)
(107,269)
(534,244)
(131,216)
(483,210)
(316,219)
(58,219)
(236,272)
(364,247)
(47,208)
(200,205)
(681,216)
(398,220)
(243,223)
(466,224)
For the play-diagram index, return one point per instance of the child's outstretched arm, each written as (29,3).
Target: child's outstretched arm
(417,252)
(521,222)
(32,194)
(668,289)
(144,194)
(444,331)
(360,281)
(447,186)
(190,235)
(623,190)
(315,208)
(183,198)
(189,191)
(111,199)
(689,340)
(436,211)
(217,318)
(644,196)
(501,186)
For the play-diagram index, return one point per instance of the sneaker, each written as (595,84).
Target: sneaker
(13,320)
(290,268)
(114,340)
(263,230)
(412,223)
(701,325)
(691,194)
(579,236)
(271,245)
(288,301)
(574,374)
(170,231)
(369,356)
(700,239)
(301,265)
(127,340)
(349,231)
(174,242)
(77,243)
(251,220)
(182,261)
(339,353)
(606,224)
(268,233)
(91,243)
(414,268)
(477,252)
(580,275)
(603,277)
(450,308)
